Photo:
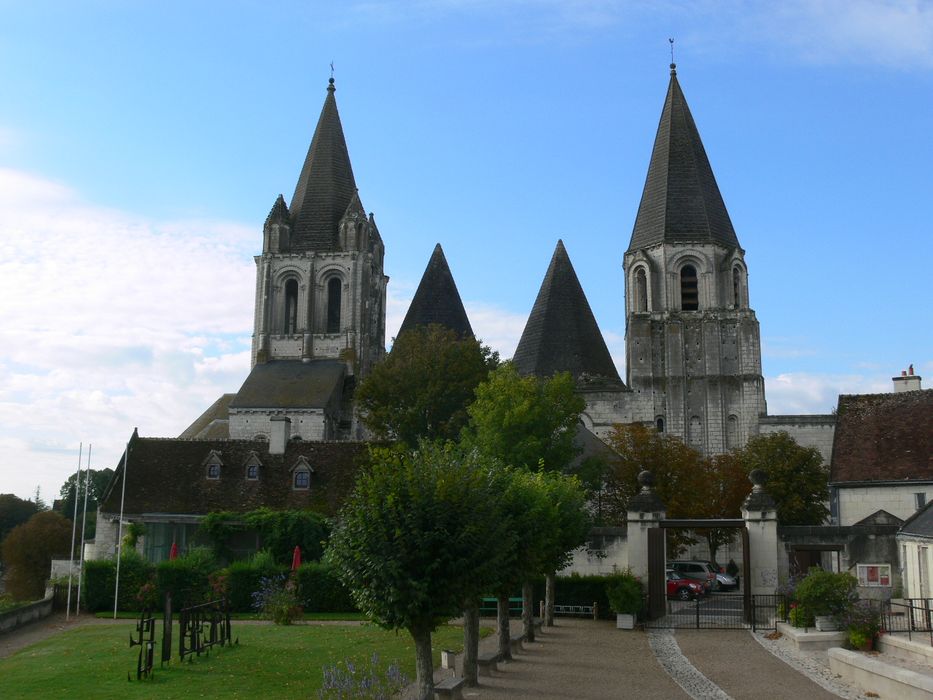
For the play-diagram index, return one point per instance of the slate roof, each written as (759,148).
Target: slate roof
(169,476)
(561,334)
(920,523)
(883,437)
(681,200)
(325,186)
(291,384)
(215,418)
(437,300)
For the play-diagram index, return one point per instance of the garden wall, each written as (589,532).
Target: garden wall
(12,619)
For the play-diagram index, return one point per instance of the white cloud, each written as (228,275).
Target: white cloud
(109,321)
(802,393)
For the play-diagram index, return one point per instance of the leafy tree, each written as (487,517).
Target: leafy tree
(798,481)
(525,421)
(28,552)
(423,387)
(99,480)
(419,535)
(14,511)
(727,486)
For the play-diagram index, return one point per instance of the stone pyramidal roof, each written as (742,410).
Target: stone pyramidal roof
(437,300)
(325,186)
(561,334)
(681,200)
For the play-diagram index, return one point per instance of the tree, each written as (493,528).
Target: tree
(419,535)
(14,511)
(28,552)
(423,387)
(798,481)
(100,478)
(525,421)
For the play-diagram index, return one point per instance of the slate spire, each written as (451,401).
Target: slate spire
(437,300)
(325,186)
(561,334)
(681,200)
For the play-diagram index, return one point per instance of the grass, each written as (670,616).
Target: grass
(269,662)
(344,616)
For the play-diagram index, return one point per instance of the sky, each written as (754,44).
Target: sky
(142,145)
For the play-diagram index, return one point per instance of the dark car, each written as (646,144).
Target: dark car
(699,571)
(682,588)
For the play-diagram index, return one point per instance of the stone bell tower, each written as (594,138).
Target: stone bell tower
(692,340)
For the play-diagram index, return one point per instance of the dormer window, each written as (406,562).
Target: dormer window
(213,471)
(301,475)
(252,472)
(212,464)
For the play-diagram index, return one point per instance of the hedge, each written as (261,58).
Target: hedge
(100,577)
(243,579)
(188,580)
(320,590)
(579,590)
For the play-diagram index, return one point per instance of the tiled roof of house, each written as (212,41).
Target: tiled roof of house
(217,413)
(883,437)
(291,384)
(325,186)
(170,476)
(437,300)
(561,334)
(681,200)
(920,523)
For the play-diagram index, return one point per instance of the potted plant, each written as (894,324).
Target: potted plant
(827,596)
(626,599)
(862,623)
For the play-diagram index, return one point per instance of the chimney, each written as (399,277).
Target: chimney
(281,431)
(908,381)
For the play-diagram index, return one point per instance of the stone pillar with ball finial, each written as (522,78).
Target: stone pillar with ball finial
(760,514)
(644,512)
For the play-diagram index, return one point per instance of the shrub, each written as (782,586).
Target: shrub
(345,680)
(100,579)
(579,590)
(276,600)
(186,578)
(862,623)
(28,552)
(827,593)
(625,594)
(243,579)
(320,589)
(280,531)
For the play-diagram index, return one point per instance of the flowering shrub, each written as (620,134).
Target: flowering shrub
(344,680)
(148,596)
(277,600)
(862,623)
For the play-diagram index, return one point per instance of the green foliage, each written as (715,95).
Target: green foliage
(798,481)
(862,623)
(418,536)
(277,600)
(571,519)
(320,589)
(625,594)
(100,579)
(525,421)
(244,577)
(422,388)
(279,530)
(827,593)
(186,578)
(28,552)
(14,511)
(579,590)
(100,479)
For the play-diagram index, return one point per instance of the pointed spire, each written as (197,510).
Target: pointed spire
(278,213)
(437,299)
(561,334)
(681,200)
(325,186)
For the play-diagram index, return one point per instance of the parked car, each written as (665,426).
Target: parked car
(682,588)
(726,582)
(700,571)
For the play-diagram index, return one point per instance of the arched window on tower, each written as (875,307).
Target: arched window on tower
(732,432)
(737,288)
(659,424)
(291,307)
(641,291)
(689,291)
(334,288)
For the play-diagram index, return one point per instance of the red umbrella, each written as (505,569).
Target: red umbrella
(173,552)
(296,558)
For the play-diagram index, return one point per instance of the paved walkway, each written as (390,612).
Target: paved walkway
(593,660)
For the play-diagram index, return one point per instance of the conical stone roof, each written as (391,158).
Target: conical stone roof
(681,200)
(561,334)
(437,300)
(325,185)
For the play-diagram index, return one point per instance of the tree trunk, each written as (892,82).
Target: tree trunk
(528,612)
(549,590)
(424,663)
(470,642)
(502,627)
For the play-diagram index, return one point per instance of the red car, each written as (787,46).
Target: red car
(682,588)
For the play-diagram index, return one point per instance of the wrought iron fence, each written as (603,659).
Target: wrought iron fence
(145,640)
(203,626)
(722,611)
(912,617)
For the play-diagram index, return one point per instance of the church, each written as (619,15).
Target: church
(289,437)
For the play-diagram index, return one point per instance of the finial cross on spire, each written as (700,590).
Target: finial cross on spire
(332,69)
(673,65)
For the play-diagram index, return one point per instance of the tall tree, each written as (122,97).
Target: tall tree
(420,534)
(422,389)
(14,511)
(99,480)
(798,481)
(28,552)
(525,421)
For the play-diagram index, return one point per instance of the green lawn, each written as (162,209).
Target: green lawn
(121,615)
(270,662)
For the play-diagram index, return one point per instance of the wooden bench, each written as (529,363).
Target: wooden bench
(449,688)
(487,663)
(489,606)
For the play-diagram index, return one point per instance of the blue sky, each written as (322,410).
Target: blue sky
(142,145)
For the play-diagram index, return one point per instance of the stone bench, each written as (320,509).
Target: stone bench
(515,642)
(449,688)
(487,663)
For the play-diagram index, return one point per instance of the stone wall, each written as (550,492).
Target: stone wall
(808,430)
(855,503)
(606,552)
(12,619)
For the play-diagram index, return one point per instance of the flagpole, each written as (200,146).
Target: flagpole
(87,484)
(116,587)
(74,525)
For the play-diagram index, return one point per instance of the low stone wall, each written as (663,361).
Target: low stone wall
(876,676)
(12,619)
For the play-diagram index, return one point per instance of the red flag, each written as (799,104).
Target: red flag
(173,552)
(296,558)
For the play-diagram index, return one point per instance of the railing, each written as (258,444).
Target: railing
(722,611)
(203,626)
(914,617)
